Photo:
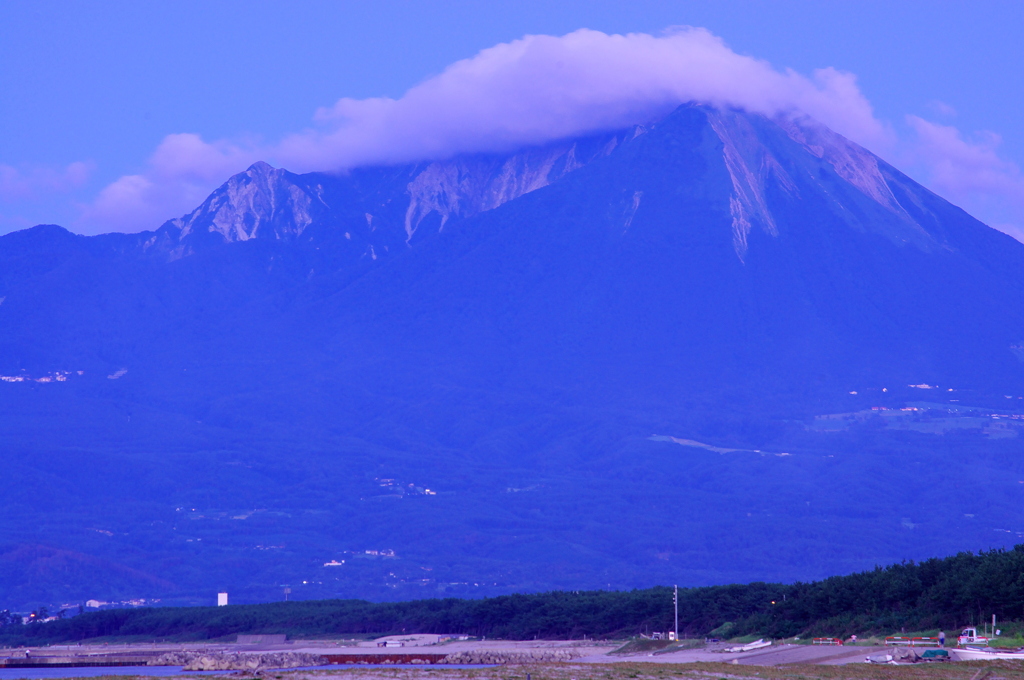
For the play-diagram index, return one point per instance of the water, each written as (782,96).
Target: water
(95,671)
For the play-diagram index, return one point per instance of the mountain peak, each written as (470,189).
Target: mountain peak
(262,201)
(260,168)
(769,165)
(776,164)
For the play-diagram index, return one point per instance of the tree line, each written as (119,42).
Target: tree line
(935,593)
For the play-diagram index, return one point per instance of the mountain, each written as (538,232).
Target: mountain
(718,347)
(374,209)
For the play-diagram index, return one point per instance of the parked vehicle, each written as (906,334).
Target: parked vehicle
(969,636)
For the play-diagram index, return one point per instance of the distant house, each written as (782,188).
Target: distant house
(95,604)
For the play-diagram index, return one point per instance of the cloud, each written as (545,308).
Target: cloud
(33,182)
(971,172)
(179,175)
(541,88)
(961,167)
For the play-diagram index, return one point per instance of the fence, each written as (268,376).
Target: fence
(912,641)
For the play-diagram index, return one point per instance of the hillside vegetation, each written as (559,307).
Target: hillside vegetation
(649,371)
(936,593)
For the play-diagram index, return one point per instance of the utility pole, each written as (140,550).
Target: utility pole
(675,604)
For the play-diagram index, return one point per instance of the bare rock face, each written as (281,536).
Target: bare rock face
(467,186)
(759,168)
(258,202)
(375,210)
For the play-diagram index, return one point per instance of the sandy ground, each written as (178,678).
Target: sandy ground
(597,652)
(776,655)
(590,652)
(585,648)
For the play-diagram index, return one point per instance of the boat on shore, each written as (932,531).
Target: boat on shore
(985,654)
(751,646)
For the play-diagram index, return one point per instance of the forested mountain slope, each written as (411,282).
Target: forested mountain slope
(594,364)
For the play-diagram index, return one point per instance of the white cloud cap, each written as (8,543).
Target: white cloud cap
(541,88)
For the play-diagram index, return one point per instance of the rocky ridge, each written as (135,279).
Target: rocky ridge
(378,208)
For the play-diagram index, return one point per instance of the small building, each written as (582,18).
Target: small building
(222,599)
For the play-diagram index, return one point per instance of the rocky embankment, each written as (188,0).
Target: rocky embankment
(204,661)
(512,656)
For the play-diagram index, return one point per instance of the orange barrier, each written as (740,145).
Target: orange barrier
(912,641)
(827,641)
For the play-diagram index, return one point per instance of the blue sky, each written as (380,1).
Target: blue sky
(90,92)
